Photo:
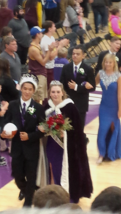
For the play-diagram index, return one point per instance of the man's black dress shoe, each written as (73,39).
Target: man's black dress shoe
(21,196)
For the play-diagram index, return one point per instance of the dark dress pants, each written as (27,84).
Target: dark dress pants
(51,14)
(22,53)
(24,171)
(85,8)
(97,10)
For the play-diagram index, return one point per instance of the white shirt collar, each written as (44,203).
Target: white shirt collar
(27,102)
(112,52)
(78,66)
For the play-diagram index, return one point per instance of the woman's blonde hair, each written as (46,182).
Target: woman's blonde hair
(113,58)
(57,83)
(62,52)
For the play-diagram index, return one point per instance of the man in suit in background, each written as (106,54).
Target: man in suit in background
(26,114)
(78,80)
(115,45)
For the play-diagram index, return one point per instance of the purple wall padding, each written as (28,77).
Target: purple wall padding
(12,3)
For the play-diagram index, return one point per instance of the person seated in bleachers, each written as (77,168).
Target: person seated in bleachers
(73,18)
(114,23)
(109,200)
(80,14)
(50,196)
(60,61)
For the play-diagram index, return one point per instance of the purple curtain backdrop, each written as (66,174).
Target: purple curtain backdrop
(12,3)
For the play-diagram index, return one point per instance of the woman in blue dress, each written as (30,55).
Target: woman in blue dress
(109,133)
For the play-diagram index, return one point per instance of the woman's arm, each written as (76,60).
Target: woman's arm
(115,26)
(119,97)
(97,79)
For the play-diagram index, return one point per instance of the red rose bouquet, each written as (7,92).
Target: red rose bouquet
(54,125)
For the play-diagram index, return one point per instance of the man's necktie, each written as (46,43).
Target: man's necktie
(23,113)
(24,109)
(75,72)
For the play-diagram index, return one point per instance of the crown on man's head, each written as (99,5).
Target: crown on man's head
(29,78)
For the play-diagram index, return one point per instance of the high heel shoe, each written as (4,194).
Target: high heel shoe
(100,160)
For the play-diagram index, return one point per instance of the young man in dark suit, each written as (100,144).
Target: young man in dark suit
(26,114)
(115,45)
(78,80)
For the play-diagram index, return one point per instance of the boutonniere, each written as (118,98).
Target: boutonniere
(117,59)
(31,110)
(81,71)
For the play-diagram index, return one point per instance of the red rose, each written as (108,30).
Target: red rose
(50,122)
(60,116)
(57,127)
(59,121)
(50,119)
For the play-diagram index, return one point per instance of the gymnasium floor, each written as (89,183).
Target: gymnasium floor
(104,175)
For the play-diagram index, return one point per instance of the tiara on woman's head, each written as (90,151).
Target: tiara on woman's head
(55,82)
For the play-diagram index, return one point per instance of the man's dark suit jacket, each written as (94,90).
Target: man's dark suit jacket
(100,60)
(29,148)
(80,97)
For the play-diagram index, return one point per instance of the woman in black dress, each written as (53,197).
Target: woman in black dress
(69,162)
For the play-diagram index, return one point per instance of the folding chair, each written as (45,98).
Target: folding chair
(108,37)
(59,25)
(95,43)
(89,50)
(72,37)
(92,61)
(91,35)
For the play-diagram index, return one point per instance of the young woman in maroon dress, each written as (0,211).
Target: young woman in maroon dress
(70,166)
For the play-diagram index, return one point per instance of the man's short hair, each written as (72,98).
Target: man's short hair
(46,25)
(108,200)
(16,9)
(114,39)
(50,196)
(78,47)
(8,40)
(5,31)
(3,3)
